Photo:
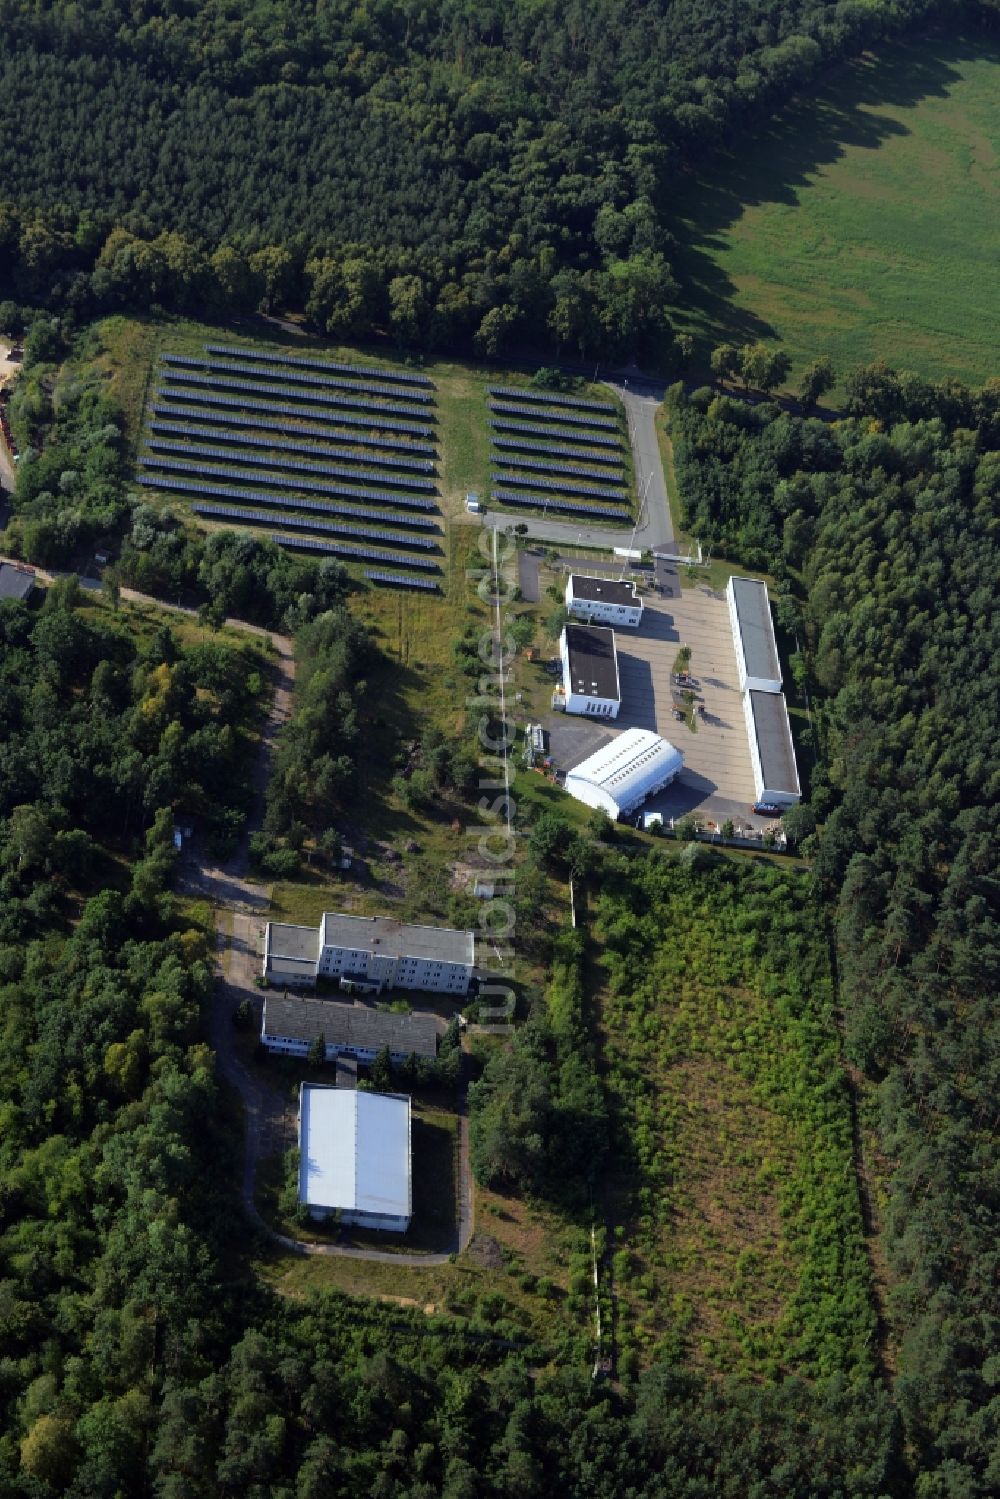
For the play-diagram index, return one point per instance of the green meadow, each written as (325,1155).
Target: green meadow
(863,222)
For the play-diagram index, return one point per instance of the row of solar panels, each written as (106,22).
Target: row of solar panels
(316,507)
(240,439)
(399,580)
(556,433)
(332,528)
(546,466)
(548,400)
(233,351)
(256,460)
(543,502)
(360,554)
(276,481)
(334,382)
(257,388)
(516,408)
(367,423)
(553,450)
(557,486)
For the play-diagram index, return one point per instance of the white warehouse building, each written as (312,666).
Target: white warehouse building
(368,954)
(603,601)
(772,753)
(621,775)
(757,662)
(589,671)
(355,1159)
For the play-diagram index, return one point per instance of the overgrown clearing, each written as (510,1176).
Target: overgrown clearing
(863,222)
(740,1246)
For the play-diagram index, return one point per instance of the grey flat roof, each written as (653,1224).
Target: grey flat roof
(774,742)
(399,939)
(603,590)
(298,943)
(753,611)
(15,582)
(357,1026)
(593,665)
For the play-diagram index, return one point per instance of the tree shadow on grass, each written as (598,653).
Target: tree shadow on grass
(776,161)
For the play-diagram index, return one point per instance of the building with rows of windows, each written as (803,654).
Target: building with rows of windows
(369,954)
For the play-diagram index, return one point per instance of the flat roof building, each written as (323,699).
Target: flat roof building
(621,775)
(368,954)
(603,601)
(757,662)
(292,1023)
(16,582)
(355,1159)
(589,671)
(772,753)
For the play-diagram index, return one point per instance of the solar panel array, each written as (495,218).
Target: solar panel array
(278,445)
(256,388)
(401,377)
(398,580)
(507,391)
(515,408)
(547,467)
(557,433)
(226,367)
(272,408)
(282,502)
(544,502)
(262,518)
(237,399)
(258,460)
(555,450)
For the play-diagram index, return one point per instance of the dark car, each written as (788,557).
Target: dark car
(767,809)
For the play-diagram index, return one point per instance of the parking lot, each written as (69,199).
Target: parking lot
(717,780)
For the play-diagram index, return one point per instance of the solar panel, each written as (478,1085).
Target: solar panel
(341,549)
(257,460)
(549,400)
(222,417)
(275,481)
(503,425)
(557,450)
(281,501)
(557,486)
(334,528)
(546,466)
(338,382)
(511,408)
(277,445)
(255,388)
(234,351)
(399,580)
(543,502)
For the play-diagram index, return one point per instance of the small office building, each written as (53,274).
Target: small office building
(355,1159)
(603,601)
(753,635)
(589,671)
(621,775)
(772,754)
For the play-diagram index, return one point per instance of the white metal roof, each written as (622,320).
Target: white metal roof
(631,760)
(355,1150)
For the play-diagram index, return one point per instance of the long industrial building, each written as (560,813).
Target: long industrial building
(589,672)
(293,1023)
(368,954)
(757,662)
(355,1157)
(772,754)
(621,775)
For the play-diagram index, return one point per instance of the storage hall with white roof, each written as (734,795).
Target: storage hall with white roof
(355,1158)
(621,775)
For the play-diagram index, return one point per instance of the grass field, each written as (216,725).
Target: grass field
(863,222)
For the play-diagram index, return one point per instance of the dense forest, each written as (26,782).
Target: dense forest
(882,534)
(452,173)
